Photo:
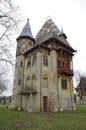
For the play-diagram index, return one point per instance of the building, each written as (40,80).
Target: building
(44,70)
(81,90)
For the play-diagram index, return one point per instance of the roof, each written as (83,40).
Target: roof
(26,32)
(50,30)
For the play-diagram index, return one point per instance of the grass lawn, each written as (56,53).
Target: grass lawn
(19,120)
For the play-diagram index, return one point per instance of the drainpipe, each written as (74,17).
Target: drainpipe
(22,83)
(58,90)
(40,80)
(71,92)
(30,107)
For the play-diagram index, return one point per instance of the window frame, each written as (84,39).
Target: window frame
(29,62)
(34,59)
(45,59)
(64,84)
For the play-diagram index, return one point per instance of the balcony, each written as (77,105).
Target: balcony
(28,90)
(65,71)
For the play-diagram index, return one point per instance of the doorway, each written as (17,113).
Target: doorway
(44,103)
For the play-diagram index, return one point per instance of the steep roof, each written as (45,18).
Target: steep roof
(26,32)
(50,30)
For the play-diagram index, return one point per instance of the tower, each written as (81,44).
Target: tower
(44,70)
(24,42)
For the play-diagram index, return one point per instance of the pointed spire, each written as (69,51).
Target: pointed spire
(26,32)
(61,29)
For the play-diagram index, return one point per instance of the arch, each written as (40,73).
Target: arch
(34,81)
(28,81)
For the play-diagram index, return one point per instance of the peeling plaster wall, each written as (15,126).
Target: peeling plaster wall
(58,99)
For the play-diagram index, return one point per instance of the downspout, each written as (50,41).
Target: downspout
(40,80)
(58,93)
(22,84)
(71,92)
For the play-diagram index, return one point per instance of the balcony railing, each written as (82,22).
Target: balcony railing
(28,90)
(65,71)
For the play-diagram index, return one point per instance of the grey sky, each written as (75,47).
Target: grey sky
(71,14)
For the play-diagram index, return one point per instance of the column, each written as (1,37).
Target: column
(53,80)
(39,78)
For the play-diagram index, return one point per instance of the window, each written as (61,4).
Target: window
(64,84)
(34,59)
(62,63)
(33,81)
(30,43)
(19,81)
(29,62)
(45,60)
(28,81)
(59,63)
(45,81)
(21,63)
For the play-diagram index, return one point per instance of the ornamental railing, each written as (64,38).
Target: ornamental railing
(65,70)
(28,90)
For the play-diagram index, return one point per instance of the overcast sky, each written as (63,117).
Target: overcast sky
(71,14)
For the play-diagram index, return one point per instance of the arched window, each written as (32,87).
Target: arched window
(45,81)
(45,59)
(33,81)
(28,81)
(34,59)
(29,61)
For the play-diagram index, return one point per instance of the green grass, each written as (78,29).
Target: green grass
(72,120)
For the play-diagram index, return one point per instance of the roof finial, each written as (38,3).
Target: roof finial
(28,19)
(48,17)
(61,29)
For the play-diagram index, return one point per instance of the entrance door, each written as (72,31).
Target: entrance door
(45,103)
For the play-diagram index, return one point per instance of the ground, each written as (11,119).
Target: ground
(18,120)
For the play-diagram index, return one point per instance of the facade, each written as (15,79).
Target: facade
(44,70)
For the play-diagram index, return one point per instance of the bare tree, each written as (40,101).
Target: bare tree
(8,26)
(76,77)
(78,74)
(80,81)
(3,78)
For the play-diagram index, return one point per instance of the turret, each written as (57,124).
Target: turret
(25,40)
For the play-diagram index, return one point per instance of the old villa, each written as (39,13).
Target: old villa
(44,70)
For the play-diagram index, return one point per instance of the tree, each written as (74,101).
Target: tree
(80,80)
(3,78)
(8,25)
(77,76)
